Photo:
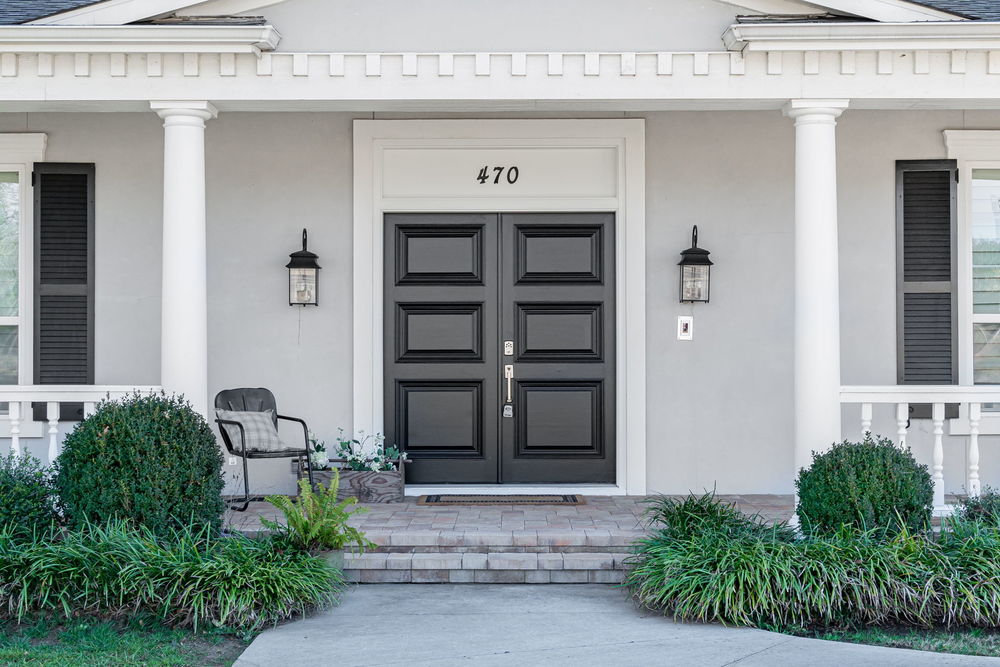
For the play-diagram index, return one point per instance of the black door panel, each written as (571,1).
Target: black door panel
(460,286)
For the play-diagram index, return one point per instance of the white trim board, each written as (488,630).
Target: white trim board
(626,137)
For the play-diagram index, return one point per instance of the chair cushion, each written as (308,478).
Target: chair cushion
(259,428)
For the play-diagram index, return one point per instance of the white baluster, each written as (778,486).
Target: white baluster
(866,420)
(902,419)
(14,412)
(88,409)
(975,414)
(937,419)
(52,414)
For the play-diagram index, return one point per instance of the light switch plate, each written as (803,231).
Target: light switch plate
(685,327)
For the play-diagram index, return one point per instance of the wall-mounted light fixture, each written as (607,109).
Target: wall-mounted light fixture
(303,276)
(696,270)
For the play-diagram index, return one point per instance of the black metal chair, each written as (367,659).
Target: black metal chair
(256,400)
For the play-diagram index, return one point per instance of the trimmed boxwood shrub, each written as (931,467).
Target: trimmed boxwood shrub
(27,506)
(870,485)
(151,460)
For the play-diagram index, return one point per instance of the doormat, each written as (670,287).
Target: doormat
(513,499)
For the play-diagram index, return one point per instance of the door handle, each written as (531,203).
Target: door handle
(508,373)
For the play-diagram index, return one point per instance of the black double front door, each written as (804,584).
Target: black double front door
(500,346)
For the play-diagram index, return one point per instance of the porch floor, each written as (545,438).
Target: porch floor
(599,513)
(501,543)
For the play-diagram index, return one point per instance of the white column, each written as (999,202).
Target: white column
(817,278)
(184,324)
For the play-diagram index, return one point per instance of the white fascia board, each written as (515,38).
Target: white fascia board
(225,7)
(956,35)
(137,39)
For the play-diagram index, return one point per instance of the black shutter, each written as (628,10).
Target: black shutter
(926,274)
(64,278)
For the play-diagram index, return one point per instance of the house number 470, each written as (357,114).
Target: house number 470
(486,173)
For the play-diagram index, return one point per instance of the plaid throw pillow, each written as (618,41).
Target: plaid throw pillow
(258,427)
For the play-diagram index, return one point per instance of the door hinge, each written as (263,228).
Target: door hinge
(34,174)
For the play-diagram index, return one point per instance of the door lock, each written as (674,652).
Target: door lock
(508,373)
(508,348)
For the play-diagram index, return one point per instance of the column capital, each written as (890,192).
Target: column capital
(190,108)
(815,111)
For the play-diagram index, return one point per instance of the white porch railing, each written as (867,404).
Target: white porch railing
(970,399)
(20,397)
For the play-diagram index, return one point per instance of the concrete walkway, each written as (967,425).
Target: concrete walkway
(578,625)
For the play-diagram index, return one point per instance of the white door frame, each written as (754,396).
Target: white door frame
(625,198)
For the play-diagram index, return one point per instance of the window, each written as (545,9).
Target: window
(984,226)
(13,224)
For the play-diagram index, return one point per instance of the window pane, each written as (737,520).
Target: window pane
(8,355)
(10,222)
(985,220)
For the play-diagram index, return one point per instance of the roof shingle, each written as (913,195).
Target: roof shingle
(982,10)
(13,12)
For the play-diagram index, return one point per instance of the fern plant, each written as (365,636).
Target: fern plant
(315,521)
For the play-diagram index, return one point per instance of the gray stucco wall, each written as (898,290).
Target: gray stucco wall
(719,407)
(513,25)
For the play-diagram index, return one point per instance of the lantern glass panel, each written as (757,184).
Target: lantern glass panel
(694,282)
(302,286)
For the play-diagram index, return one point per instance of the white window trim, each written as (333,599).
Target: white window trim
(971,149)
(20,152)
(371,137)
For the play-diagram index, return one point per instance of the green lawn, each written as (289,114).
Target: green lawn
(98,643)
(966,642)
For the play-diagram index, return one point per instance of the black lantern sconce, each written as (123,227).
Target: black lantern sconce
(696,270)
(303,276)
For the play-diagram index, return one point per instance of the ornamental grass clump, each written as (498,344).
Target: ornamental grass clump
(982,508)
(150,460)
(751,574)
(27,502)
(189,580)
(670,516)
(870,485)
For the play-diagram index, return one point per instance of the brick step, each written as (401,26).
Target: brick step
(490,567)
(541,540)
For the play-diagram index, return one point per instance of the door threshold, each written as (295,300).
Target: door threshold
(505,489)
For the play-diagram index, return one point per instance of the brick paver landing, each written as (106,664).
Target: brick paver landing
(586,543)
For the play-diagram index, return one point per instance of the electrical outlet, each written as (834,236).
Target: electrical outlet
(232,460)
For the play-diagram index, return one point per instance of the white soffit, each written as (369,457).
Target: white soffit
(956,35)
(775,6)
(898,11)
(122,12)
(889,11)
(225,7)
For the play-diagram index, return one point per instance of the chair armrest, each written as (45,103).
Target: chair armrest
(305,429)
(225,436)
